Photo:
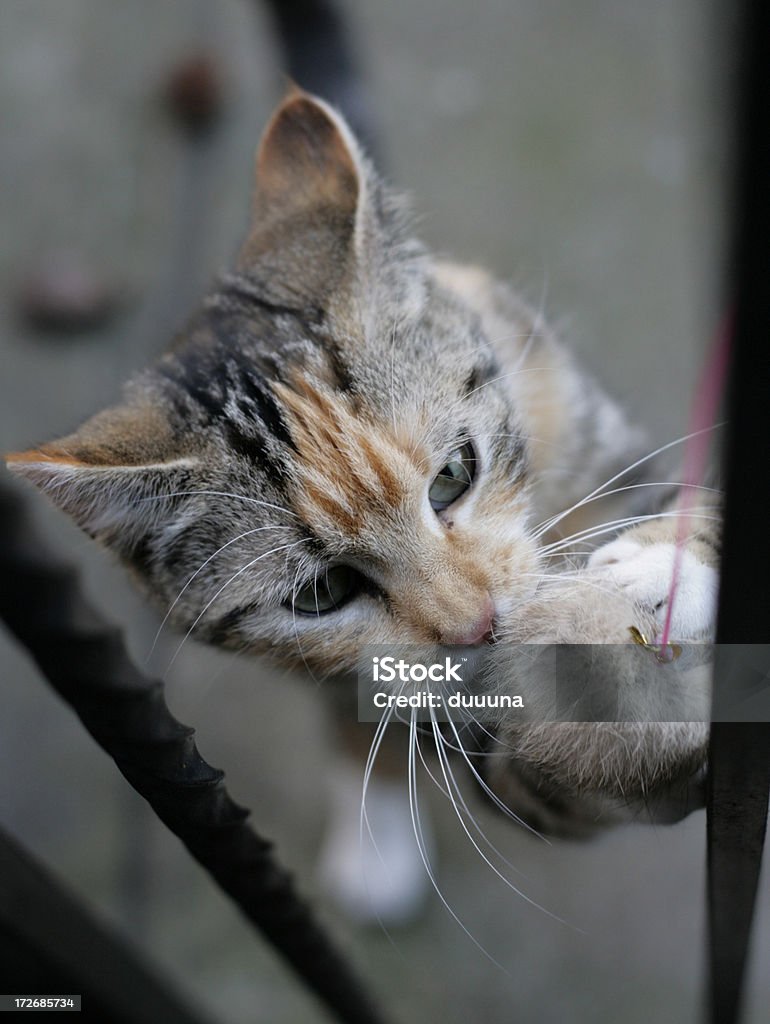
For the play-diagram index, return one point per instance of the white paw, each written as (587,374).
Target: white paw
(644,572)
(382,884)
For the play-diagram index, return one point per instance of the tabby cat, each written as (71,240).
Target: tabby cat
(353,442)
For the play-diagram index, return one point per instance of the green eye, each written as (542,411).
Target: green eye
(454,479)
(328,592)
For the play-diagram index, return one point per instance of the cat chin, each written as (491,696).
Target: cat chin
(555,808)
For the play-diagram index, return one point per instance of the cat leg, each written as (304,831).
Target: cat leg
(376,877)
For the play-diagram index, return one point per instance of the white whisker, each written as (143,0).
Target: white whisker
(598,531)
(492,795)
(374,750)
(511,373)
(548,524)
(417,827)
(200,568)
(294,590)
(634,465)
(224,586)
(218,494)
(455,788)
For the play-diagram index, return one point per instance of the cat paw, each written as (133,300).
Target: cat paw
(644,573)
(378,878)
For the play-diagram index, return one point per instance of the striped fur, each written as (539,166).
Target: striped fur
(299,420)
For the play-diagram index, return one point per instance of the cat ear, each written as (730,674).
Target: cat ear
(309,202)
(115,476)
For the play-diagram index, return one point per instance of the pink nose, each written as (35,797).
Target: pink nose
(479,632)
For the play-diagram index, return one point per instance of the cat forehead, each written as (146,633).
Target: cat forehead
(388,332)
(348,467)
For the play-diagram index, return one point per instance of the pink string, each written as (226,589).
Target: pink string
(702,416)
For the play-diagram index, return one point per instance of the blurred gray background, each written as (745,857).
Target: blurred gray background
(578,150)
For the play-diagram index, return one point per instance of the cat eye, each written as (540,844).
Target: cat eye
(327,592)
(454,479)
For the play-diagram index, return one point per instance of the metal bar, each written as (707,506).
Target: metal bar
(740,751)
(319,55)
(49,943)
(737,813)
(85,661)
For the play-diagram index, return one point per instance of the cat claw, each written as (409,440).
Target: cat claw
(664,653)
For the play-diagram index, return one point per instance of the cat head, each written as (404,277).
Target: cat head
(324,458)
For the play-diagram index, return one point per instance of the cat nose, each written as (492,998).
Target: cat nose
(478,633)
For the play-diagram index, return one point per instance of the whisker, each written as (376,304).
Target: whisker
(597,531)
(224,586)
(511,373)
(439,738)
(200,568)
(219,494)
(501,806)
(640,462)
(451,783)
(569,577)
(470,719)
(294,589)
(520,435)
(548,524)
(417,827)
(374,750)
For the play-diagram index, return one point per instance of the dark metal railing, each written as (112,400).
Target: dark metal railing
(85,661)
(739,761)
(49,943)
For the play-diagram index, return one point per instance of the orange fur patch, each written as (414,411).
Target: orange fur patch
(348,466)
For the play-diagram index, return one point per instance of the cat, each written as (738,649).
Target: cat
(353,442)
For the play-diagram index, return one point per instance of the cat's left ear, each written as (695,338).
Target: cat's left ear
(311,203)
(116,476)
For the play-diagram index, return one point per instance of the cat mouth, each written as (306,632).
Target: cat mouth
(478,644)
(473,657)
